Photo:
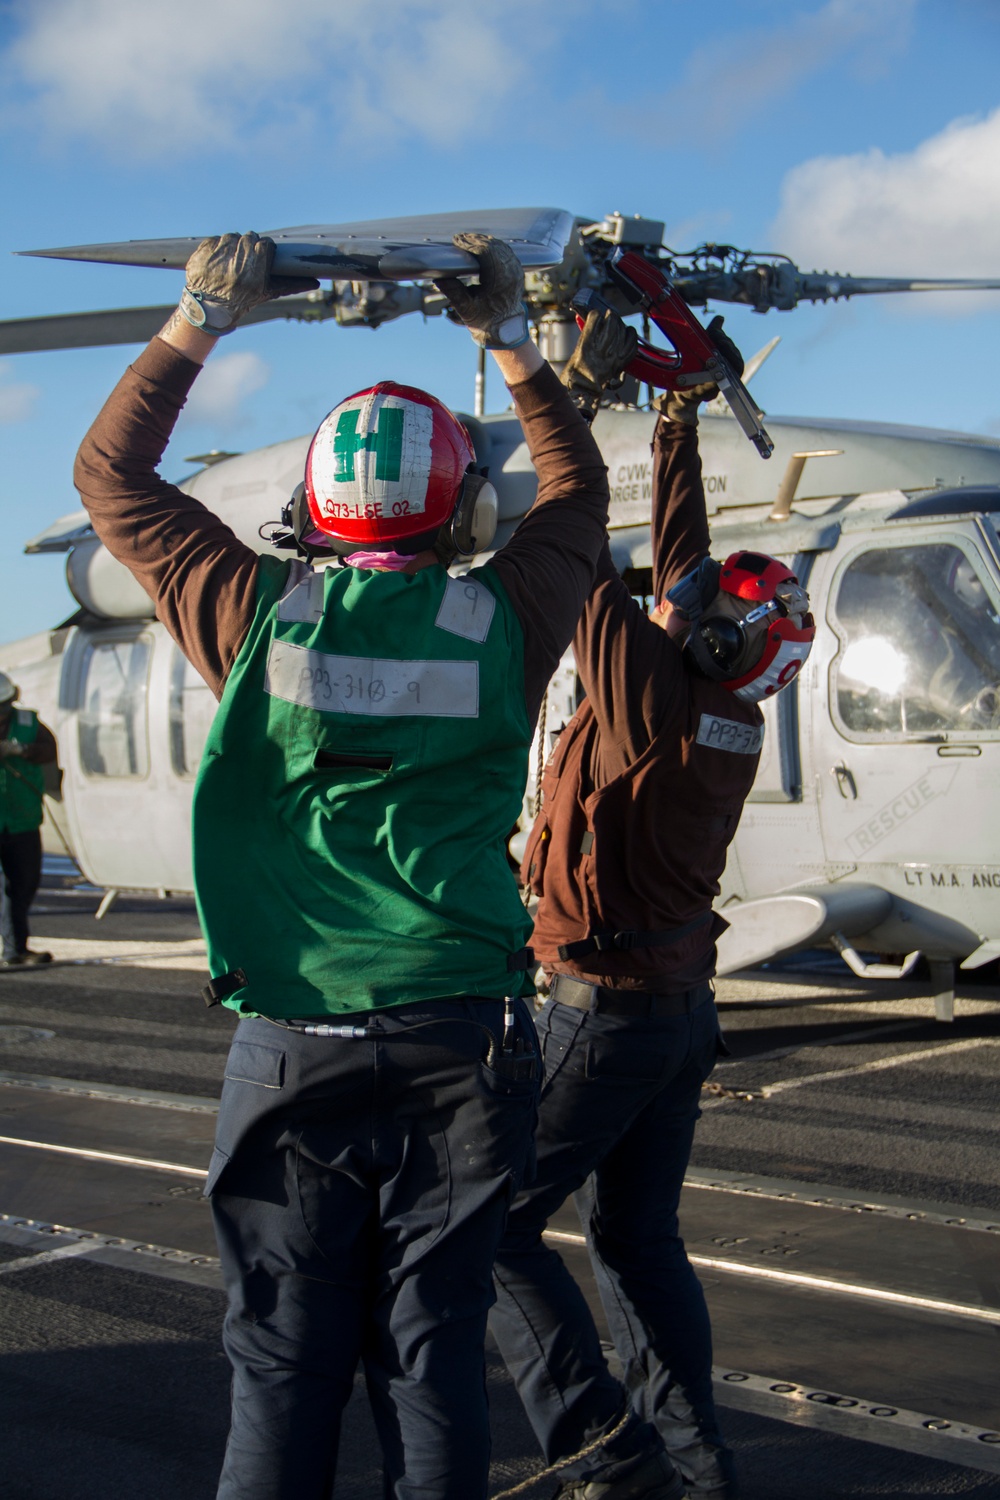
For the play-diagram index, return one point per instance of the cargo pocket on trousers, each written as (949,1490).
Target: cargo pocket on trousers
(248,1062)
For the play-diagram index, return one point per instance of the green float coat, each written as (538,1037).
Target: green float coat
(359,783)
(22,785)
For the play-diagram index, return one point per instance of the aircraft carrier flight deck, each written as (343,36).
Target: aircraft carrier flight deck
(842,1210)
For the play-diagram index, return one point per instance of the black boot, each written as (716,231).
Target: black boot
(654,1479)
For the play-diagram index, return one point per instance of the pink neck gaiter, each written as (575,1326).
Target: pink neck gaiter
(395,562)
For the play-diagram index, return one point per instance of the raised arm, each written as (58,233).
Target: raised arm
(679,523)
(630,668)
(201,578)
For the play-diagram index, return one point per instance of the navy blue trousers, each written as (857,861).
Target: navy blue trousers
(360,1188)
(617,1113)
(20,873)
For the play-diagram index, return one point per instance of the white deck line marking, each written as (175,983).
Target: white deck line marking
(877,1065)
(27,1262)
(112,1156)
(819,1283)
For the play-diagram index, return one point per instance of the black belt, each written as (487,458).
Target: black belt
(595,997)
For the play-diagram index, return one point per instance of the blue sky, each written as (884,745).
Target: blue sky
(855,135)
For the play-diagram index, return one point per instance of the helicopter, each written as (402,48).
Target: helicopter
(853,833)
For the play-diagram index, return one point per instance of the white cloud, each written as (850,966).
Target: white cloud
(221,389)
(933,211)
(17,399)
(156,79)
(736,76)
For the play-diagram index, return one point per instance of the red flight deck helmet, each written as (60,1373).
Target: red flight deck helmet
(751,628)
(389,467)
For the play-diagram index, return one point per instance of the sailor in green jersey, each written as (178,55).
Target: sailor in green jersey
(26,746)
(350,819)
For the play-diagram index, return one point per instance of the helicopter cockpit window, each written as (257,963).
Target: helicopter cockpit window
(192,709)
(112,721)
(920,644)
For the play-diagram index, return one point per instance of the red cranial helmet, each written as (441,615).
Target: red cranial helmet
(750,623)
(386,465)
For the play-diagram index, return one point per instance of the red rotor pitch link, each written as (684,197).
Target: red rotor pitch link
(693,359)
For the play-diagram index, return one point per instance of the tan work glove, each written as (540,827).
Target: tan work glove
(494,311)
(229,274)
(604,348)
(682,406)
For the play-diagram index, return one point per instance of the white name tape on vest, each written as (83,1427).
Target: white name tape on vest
(368,685)
(729,734)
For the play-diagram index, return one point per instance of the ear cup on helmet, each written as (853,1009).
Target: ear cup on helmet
(715,646)
(474,519)
(724,640)
(311,542)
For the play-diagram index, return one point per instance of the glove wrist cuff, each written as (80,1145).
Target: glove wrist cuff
(586,402)
(675,408)
(211,315)
(509,333)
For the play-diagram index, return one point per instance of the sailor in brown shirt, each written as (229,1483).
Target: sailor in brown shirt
(642,796)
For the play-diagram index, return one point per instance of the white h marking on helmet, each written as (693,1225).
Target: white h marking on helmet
(379,465)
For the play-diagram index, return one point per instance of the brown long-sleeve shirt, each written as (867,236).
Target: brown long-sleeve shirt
(640,802)
(203,579)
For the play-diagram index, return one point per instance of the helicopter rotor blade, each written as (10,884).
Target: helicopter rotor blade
(135,325)
(755,361)
(821,287)
(404,249)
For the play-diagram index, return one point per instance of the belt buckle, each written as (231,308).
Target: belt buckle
(568,982)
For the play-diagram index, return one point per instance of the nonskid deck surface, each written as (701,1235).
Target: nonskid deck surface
(844,1218)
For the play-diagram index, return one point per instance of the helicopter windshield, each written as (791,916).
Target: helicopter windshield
(920,643)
